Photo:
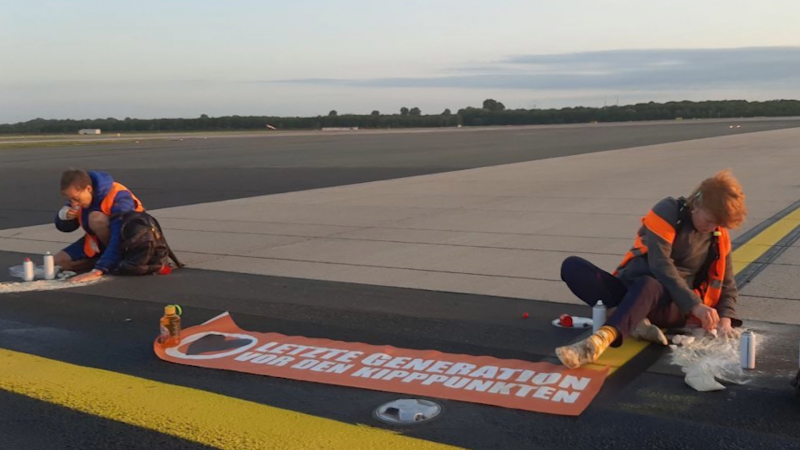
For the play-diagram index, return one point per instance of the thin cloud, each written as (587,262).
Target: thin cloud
(657,69)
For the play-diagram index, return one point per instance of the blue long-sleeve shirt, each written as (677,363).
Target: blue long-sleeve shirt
(123,202)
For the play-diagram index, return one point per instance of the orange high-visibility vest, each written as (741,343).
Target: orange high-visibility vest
(711,289)
(91,246)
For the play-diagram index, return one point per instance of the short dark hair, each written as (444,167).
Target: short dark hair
(77,178)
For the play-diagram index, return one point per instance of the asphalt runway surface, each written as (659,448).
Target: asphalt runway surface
(90,327)
(112,325)
(191,171)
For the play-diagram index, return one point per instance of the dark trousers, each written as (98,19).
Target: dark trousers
(645,298)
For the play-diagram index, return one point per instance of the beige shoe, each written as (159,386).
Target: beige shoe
(646,331)
(588,350)
(578,354)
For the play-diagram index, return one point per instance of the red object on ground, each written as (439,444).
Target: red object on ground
(565,320)
(524,315)
(166,270)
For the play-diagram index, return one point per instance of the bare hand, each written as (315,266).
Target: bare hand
(708,316)
(72,213)
(89,276)
(725,328)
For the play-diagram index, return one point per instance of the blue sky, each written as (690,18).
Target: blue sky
(179,58)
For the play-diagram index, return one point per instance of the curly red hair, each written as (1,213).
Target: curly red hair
(722,196)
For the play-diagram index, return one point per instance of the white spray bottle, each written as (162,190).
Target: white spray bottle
(27,270)
(49,267)
(598,316)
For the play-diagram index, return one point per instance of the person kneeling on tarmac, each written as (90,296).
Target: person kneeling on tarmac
(679,271)
(94,202)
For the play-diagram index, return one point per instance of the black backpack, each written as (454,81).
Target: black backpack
(143,246)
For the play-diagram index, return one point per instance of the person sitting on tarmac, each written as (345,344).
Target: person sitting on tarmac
(95,203)
(679,270)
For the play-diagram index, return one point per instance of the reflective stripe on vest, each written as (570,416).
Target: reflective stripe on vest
(91,245)
(711,290)
(659,226)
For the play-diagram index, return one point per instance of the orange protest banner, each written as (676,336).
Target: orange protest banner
(532,386)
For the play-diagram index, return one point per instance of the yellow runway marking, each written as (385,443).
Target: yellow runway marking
(215,420)
(757,246)
(615,358)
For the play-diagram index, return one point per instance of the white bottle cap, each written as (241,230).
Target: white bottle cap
(599,303)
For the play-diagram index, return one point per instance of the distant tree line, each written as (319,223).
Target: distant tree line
(491,112)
